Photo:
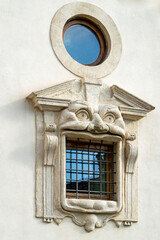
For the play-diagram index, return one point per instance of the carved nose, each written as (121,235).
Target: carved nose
(97,124)
(97,121)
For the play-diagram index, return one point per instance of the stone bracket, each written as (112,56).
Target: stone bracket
(50,149)
(131,152)
(131,157)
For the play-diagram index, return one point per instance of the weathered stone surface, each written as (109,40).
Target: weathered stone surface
(100,120)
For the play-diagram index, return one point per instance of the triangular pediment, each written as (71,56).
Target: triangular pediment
(59,96)
(129,99)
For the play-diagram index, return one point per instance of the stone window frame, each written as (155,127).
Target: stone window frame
(50,190)
(103,21)
(79,204)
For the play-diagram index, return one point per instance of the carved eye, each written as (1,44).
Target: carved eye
(82,115)
(109,117)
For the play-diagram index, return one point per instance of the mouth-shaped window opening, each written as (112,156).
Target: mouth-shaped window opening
(90,169)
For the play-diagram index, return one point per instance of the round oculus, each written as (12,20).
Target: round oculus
(84,42)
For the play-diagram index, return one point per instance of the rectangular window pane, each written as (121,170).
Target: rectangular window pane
(90,170)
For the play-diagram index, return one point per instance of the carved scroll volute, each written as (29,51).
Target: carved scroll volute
(131,152)
(50,145)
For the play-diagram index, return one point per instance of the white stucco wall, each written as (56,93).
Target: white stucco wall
(27,63)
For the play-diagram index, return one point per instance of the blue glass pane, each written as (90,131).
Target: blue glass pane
(82,44)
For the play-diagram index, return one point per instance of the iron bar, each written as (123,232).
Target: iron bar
(87,173)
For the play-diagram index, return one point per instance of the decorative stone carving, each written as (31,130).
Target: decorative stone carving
(50,152)
(70,111)
(103,118)
(131,153)
(131,157)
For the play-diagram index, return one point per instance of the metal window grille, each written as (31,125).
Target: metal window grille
(90,170)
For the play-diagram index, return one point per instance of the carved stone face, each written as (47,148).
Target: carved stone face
(97,119)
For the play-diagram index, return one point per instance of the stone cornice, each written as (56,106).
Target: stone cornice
(44,103)
(130,99)
(54,98)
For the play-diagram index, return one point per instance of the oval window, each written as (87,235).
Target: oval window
(84,42)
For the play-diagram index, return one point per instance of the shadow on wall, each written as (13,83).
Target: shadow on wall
(17,141)
(18,132)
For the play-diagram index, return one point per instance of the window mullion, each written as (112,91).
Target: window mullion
(77,168)
(100,171)
(89,170)
(112,174)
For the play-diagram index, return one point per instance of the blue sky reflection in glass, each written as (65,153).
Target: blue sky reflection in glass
(81,165)
(81,43)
